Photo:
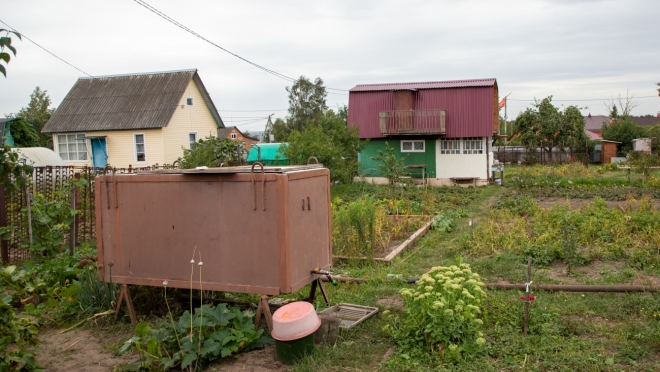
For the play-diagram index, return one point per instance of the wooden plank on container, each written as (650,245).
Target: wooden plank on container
(241,169)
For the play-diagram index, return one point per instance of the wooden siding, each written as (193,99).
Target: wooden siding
(121,148)
(186,119)
(369,167)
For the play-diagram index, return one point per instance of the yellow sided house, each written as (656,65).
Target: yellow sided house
(133,120)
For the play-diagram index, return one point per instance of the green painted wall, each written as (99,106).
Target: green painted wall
(369,167)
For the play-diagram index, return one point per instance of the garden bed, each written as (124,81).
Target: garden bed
(406,230)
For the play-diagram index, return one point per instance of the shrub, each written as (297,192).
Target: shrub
(442,313)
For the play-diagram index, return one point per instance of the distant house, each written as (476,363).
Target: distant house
(594,123)
(646,121)
(132,120)
(235,134)
(445,127)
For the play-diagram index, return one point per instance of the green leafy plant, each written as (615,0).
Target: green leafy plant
(392,166)
(442,222)
(17,334)
(51,220)
(211,333)
(442,314)
(211,152)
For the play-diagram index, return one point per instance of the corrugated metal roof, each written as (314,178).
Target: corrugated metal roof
(425,85)
(470,109)
(120,102)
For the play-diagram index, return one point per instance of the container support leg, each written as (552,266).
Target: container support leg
(125,295)
(265,309)
(312,293)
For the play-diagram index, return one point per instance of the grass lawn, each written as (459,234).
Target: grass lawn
(568,331)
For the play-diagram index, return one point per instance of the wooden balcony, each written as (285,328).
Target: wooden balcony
(412,122)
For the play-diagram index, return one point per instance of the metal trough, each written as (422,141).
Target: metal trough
(258,231)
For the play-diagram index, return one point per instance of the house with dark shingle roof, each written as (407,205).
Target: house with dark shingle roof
(133,120)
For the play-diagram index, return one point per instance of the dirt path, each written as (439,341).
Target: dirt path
(77,350)
(82,350)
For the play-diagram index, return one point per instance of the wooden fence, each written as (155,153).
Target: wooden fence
(535,155)
(48,181)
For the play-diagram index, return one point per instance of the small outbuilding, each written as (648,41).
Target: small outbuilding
(268,154)
(609,150)
(642,144)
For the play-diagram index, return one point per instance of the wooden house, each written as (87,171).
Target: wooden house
(235,134)
(445,129)
(133,120)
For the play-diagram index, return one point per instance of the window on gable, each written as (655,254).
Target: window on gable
(189,101)
(473,146)
(140,150)
(450,147)
(412,146)
(72,147)
(233,136)
(192,137)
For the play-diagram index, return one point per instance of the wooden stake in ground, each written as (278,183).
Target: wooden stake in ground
(527,284)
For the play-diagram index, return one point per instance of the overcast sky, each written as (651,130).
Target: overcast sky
(571,49)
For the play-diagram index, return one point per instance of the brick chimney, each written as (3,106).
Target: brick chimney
(658,114)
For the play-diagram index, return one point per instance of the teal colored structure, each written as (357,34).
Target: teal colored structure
(369,167)
(6,132)
(268,154)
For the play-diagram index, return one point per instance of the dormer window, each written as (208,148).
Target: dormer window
(189,101)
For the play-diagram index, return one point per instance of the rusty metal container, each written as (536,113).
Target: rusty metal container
(258,232)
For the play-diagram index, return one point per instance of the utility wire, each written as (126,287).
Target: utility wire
(571,100)
(251,110)
(46,50)
(183,27)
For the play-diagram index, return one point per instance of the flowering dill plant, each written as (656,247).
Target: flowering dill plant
(442,314)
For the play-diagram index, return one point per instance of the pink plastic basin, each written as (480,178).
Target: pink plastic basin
(294,321)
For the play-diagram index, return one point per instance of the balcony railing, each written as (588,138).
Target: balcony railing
(412,122)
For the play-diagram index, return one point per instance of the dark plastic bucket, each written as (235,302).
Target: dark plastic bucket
(289,352)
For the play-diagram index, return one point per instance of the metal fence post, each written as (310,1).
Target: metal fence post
(4,245)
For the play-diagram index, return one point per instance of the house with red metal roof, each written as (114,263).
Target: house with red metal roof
(444,128)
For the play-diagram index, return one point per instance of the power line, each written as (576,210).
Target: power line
(251,110)
(573,100)
(183,27)
(46,50)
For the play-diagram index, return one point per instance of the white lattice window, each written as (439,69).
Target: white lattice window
(192,138)
(72,147)
(412,146)
(473,146)
(140,148)
(450,147)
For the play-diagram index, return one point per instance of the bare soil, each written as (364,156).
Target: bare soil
(82,350)
(262,360)
(393,302)
(78,350)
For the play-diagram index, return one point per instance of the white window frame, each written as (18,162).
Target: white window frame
(78,152)
(189,101)
(234,136)
(456,147)
(144,138)
(412,145)
(195,141)
(472,146)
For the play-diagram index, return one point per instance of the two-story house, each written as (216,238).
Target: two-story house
(445,127)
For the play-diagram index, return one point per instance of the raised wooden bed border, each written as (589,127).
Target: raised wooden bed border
(407,243)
